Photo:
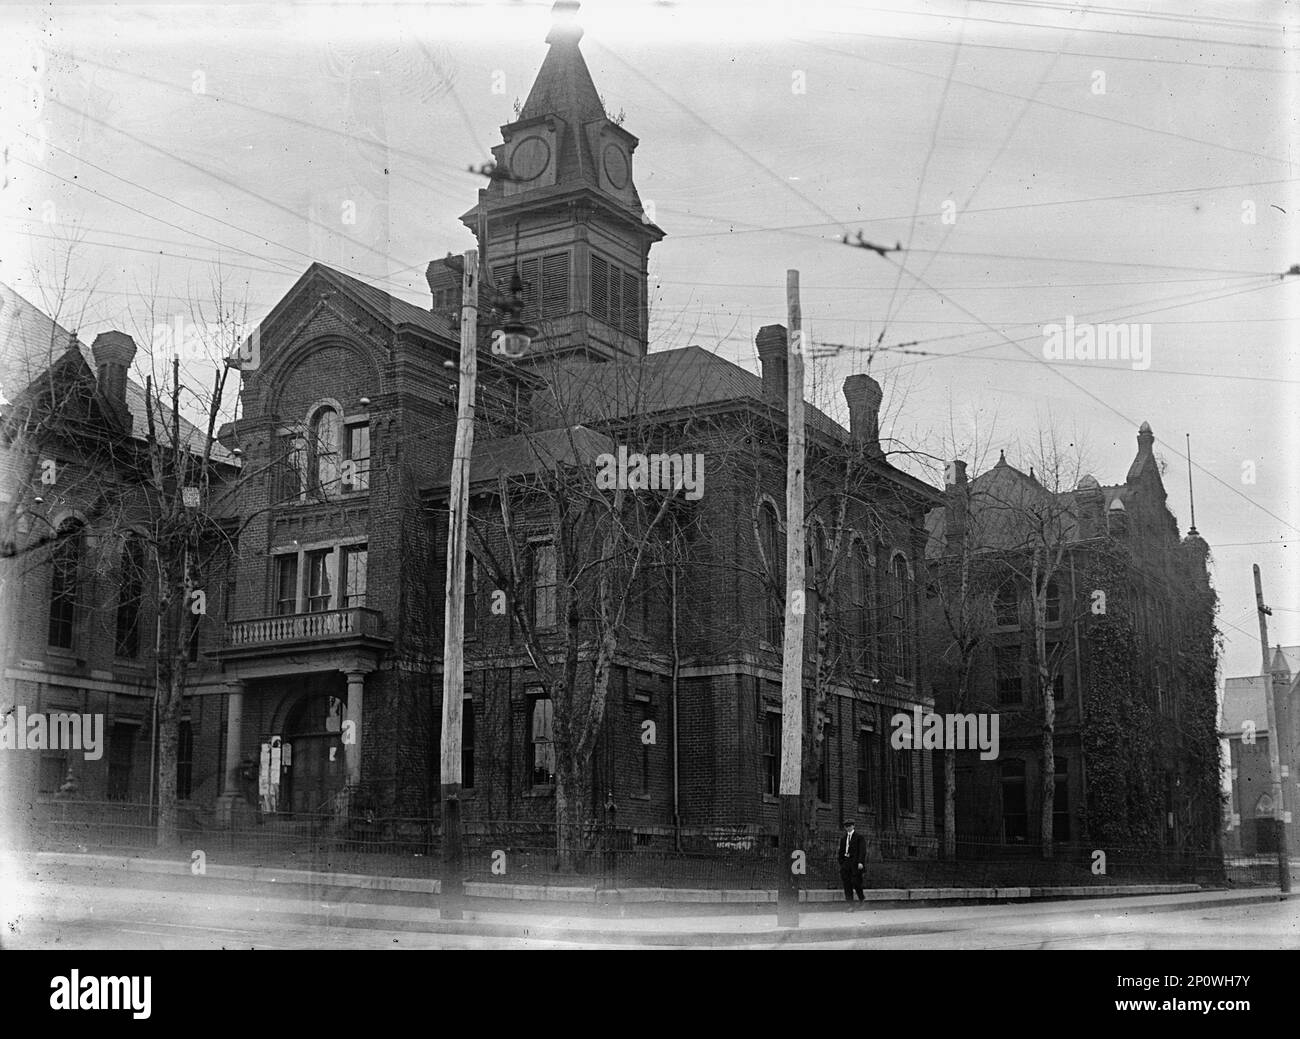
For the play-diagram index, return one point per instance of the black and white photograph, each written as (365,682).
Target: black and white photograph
(648,475)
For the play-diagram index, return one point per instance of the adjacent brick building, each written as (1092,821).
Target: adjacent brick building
(1130,650)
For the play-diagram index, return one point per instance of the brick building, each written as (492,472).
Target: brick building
(331,602)
(1129,654)
(79,617)
(1250,813)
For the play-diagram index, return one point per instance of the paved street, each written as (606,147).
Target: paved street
(177,912)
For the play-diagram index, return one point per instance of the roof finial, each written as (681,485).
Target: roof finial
(1191,496)
(565,27)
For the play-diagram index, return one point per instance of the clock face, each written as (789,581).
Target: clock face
(616,168)
(530,158)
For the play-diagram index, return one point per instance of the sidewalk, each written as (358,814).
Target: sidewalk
(645,916)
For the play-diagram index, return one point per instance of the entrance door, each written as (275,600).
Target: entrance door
(316,769)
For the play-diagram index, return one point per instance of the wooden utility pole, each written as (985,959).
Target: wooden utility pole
(792,861)
(453,640)
(1274,741)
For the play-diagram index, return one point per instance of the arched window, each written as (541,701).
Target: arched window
(126,643)
(65,566)
(902,617)
(1006,605)
(861,624)
(773,617)
(326,427)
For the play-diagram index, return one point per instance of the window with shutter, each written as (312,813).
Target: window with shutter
(615,295)
(599,288)
(631,305)
(529,270)
(555,285)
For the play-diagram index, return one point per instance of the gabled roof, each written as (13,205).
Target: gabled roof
(395,312)
(998,498)
(32,344)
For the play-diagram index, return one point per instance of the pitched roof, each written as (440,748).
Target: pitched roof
(31,343)
(537,452)
(667,380)
(397,311)
(999,497)
(563,85)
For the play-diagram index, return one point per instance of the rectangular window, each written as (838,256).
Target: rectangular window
(529,272)
(543,580)
(1061,802)
(541,765)
(545,284)
(599,288)
(647,715)
(771,753)
(1015,815)
(192,645)
(290,467)
(903,777)
(467,744)
(824,766)
(185,761)
(1006,660)
(1058,688)
(320,564)
(555,285)
(356,461)
(865,739)
(354,576)
(615,296)
(631,305)
(286,584)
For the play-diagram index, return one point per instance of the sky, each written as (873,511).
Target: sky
(1039,162)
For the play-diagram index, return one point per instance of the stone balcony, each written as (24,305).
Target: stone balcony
(356,628)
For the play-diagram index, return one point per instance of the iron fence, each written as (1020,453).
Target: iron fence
(737,856)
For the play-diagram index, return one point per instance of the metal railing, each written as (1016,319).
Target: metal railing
(305,627)
(741,856)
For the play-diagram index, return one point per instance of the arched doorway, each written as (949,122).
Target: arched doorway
(315,770)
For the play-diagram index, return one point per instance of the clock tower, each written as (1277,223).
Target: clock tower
(568,214)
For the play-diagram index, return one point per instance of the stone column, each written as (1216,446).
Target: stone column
(234,739)
(352,726)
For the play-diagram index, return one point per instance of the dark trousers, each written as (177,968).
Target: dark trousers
(852,877)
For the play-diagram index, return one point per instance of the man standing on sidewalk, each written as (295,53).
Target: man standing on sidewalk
(853,858)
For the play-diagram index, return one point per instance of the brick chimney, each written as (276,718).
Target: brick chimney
(773,353)
(113,353)
(956,491)
(1092,518)
(864,395)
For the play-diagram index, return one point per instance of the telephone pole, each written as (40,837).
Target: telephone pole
(1274,739)
(792,860)
(453,640)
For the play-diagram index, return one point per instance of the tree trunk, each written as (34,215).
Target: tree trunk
(168,738)
(570,816)
(949,803)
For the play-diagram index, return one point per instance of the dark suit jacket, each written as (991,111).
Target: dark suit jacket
(857,851)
